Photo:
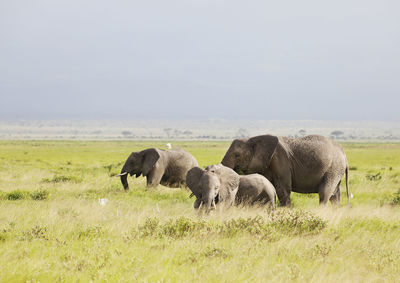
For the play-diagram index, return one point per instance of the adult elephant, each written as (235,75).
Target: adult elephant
(166,167)
(312,164)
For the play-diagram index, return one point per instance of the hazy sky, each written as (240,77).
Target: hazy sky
(320,60)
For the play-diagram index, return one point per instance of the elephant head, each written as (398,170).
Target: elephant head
(251,155)
(215,184)
(139,163)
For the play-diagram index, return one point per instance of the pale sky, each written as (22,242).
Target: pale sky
(281,60)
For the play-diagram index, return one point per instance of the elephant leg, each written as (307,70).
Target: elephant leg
(335,198)
(283,193)
(328,188)
(260,199)
(266,198)
(268,201)
(154,177)
(272,200)
(230,200)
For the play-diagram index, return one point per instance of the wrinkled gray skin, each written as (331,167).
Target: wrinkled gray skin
(166,167)
(312,164)
(216,183)
(255,188)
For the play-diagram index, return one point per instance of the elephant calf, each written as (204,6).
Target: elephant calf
(217,183)
(220,184)
(255,188)
(166,167)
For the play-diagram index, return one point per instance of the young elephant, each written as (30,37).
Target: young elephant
(166,167)
(220,184)
(215,184)
(255,188)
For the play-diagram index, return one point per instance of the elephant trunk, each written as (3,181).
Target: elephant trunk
(124,177)
(210,203)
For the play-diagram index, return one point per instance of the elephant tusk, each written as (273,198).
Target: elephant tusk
(213,204)
(201,203)
(122,174)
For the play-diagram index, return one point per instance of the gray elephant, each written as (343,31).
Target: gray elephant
(166,167)
(215,184)
(312,164)
(255,188)
(218,184)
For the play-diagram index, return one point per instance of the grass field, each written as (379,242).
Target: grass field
(52,227)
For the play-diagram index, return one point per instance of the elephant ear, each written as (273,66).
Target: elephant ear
(263,148)
(150,157)
(193,178)
(229,183)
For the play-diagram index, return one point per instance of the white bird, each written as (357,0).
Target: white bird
(103,201)
(168,146)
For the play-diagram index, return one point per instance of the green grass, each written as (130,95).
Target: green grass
(52,227)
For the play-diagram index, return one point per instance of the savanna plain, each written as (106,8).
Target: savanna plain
(54,229)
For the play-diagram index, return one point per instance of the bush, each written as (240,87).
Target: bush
(297,221)
(39,195)
(3,236)
(182,227)
(174,228)
(215,252)
(374,177)
(149,227)
(62,179)
(91,232)
(37,232)
(112,166)
(280,222)
(396,198)
(19,195)
(254,226)
(16,195)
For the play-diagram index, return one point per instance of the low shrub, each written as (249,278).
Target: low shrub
(177,228)
(20,195)
(374,177)
(110,168)
(36,232)
(90,232)
(16,195)
(39,195)
(297,221)
(252,225)
(396,198)
(215,252)
(3,236)
(279,222)
(62,179)
(149,227)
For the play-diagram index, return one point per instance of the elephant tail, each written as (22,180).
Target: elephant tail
(347,184)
